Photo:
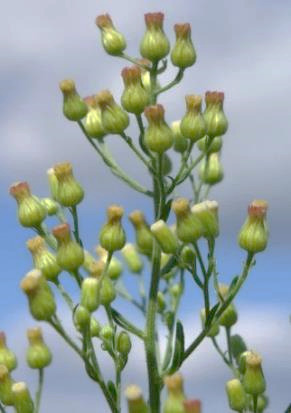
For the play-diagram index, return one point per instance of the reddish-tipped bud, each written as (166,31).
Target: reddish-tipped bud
(74,107)
(69,192)
(112,236)
(134,97)
(215,119)
(183,54)
(143,235)
(189,228)
(114,119)
(154,45)
(158,135)
(192,124)
(70,255)
(7,357)
(192,406)
(113,41)
(43,259)
(93,122)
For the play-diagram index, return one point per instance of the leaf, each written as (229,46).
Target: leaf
(167,210)
(233,283)
(169,266)
(211,315)
(112,389)
(178,349)
(119,319)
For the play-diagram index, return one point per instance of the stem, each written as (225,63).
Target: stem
(134,61)
(141,135)
(56,324)
(39,390)
(173,83)
(122,292)
(255,400)
(224,358)
(128,140)
(227,331)
(64,294)
(2,408)
(74,213)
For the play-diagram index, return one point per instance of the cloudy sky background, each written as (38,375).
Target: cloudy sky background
(243,49)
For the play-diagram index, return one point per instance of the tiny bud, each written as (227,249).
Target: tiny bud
(95,327)
(154,45)
(69,192)
(215,119)
(132,258)
(31,212)
(189,227)
(93,122)
(192,124)
(253,380)
(236,395)
(192,406)
(106,333)
(74,108)
(158,135)
(211,171)
(90,294)
(176,290)
(114,119)
(112,236)
(214,330)
(123,343)
(253,236)
(229,316)
(50,205)
(7,357)
(165,237)
(81,318)
(38,354)
(113,41)
(174,403)
(70,255)
(134,97)
(135,400)
(6,383)
(183,54)
(143,235)
(22,399)
(242,361)
(187,257)
(210,145)
(180,142)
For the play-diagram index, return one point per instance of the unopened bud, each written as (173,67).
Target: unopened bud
(50,205)
(189,227)
(114,119)
(70,193)
(229,316)
(180,142)
(132,258)
(192,406)
(38,354)
(253,380)
(183,54)
(95,327)
(236,395)
(143,235)
(123,343)
(113,41)
(165,237)
(106,333)
(210,145)
(22,399)
(81,318)
(115,266)
(154,45)
(90,294)
(70,254)
(93,122)
(112,236)
(214,330)
(134,97)
(174,403)
(207,212)
(135,400)
(7,357)
(215,119)
(107,292)
(53,183)
(158,135)
(74,108)
(187,257)
(192,124)
(237,346)
(6,383)
(211,171)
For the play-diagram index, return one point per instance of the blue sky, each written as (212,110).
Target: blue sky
(244,49)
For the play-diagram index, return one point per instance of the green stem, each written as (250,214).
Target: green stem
(228,334)
(74,213)
(177,180)
(134,61)
(56,324)
(141,135)
(128,140)
(255,400)
(224,358)
(173,83)
(122,292)
(64,294)
(39,390)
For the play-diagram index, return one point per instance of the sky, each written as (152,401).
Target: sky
(243,49)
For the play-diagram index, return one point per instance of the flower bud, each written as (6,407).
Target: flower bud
(7,357)
(70,255)
(161,302)
(215,119)
(183,54)
(253,380)
(106,333)
(236,395)
(132,258)
(135,400)
(30,212)
(229,316)
(115,266)
(50,205)
(165,237)
(192,124)
(253,236)
(6,383)
(207,213)
(192,406)
(22,399)
(211,171)
(114,119)
(93,122)
(40,297)
(53,183)
(242,361)
(210,145)
(95,327)
(70,192)
(180,142)
(134,97)
(187,257)
(43,259)
(81,318)
(174,403)
(154,45)
(112,236)
(38,354)
(214,330)
(158,135)
(146,76)
(189,227)
(74,108)
(237,346)
(143,235)
(107,292)
(89,260)
(90,296)
(123,343)
(113,41)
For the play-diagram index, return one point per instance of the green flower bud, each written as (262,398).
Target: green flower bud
(215,119)
(40,297)
(30,212)
(192,406)
(242,361)
(112,236)
(180,142)
(145,75)
(165,237)
(154,45)
(134,97)
(211,171)
(53,183)
(210,145)
(113,41)
(89,260)
(106,333)
(174,403)
(114,119)
(189,227)
(192,124)
(237,345)
(183,54)
(7,357)
(22,399)
(82,318)
(158,135)
(187,256)
(107,292)
(70,255)
(90,294)
(50,205)
(132,258)
(115,266)
(43,259)
(207,212)
(38,354)
(229,316)
(95,327)
(123,343)
(214,330)
(74,108)
(167,165)
(70,192)
(143,235)
(253,380)
(6,383)
(253,236)
(93,122)
(236,395)
(135,400)
(164,260)
(161,302)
